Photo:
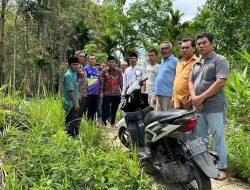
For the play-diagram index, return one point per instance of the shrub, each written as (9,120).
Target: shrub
(44,157)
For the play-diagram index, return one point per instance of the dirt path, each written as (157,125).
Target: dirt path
(229,184)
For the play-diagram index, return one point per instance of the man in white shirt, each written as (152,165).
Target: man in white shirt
(133,72)
(151,72)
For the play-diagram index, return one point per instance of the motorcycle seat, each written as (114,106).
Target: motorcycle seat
(133,116)
(160,115)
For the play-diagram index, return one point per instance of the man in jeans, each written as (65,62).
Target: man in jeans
(206,85)
(71,98)
(111,83)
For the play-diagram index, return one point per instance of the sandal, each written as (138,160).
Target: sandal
(222,175)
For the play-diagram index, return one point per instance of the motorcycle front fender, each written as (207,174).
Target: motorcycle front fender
(121,123)
(206,164)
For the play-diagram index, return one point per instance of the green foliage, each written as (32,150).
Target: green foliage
(238,128)
(231,32)
(238,150)
(238,93)
(44,157)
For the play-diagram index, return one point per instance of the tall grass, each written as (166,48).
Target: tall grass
(44,157)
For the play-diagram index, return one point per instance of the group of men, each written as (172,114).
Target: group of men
(188,83)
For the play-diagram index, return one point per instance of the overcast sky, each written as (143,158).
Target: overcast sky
(188,7)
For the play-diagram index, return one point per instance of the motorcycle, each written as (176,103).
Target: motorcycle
(164,141)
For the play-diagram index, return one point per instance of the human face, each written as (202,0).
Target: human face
(123,67)
(133,61)
(111,64)
(92,60)
(152,58)
(187,50)
(103,66)
(204,46)
(165,50)
(73,66)
(81,57)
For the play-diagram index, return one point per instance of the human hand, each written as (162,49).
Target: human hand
(101,95)
(198,100)
(76,106)
(153,99)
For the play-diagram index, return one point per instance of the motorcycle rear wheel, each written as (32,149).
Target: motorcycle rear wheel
(200,180)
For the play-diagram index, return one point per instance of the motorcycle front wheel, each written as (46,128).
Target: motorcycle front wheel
(199,180)
(125,137)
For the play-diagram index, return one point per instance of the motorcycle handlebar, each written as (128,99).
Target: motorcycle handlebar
(141,82)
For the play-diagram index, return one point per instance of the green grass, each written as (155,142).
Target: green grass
(43,156)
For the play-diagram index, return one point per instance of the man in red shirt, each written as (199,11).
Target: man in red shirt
(111,83)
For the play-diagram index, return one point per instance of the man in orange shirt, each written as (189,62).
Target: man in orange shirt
(181,95)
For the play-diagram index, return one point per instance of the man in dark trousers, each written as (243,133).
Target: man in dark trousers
(111,83)
(93,87)
(82,83)
(71,98)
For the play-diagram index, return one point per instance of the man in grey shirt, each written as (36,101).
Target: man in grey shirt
(206,85)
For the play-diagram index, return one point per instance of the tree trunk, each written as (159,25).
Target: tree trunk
(14,58)
(2,23)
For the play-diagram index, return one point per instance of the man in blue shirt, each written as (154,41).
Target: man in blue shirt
(165,78)
(93,87)
(71,98)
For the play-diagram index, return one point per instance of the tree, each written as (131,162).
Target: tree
(2,36)
(229,21)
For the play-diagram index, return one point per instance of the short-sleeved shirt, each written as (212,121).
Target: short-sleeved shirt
(215,67)
(151,71)
(111,82)
(181,89)
(165,76)
(82,81)
(69,84)
(132,74)
(93,80)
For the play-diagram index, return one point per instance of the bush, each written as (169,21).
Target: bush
(238,150)
(238,128)
(44,157)
(238,93)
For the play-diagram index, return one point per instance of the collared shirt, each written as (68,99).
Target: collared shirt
(111,82)
(93,80)
(165,77)
(132,74)
(151,71)
(181,89)
(82,81)
(215,67)
(69,84)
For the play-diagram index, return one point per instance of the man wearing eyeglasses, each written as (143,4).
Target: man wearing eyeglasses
(133,72)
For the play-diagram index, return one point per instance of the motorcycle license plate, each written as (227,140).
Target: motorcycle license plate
(195,147)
